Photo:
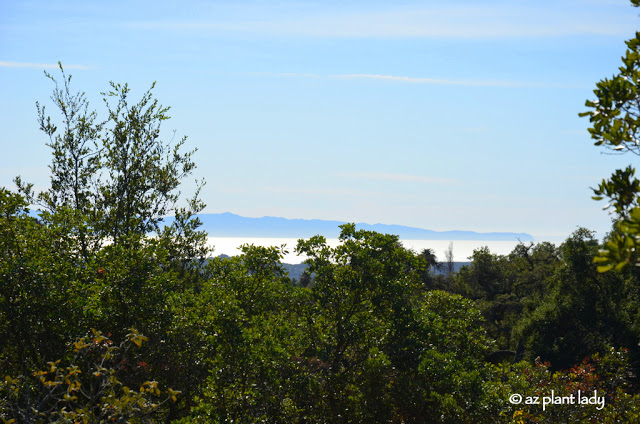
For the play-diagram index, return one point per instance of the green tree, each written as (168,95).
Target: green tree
(117,175)
(485,280)
(244,334)
(615,125)
(581,313)
(141,173)
(88,258)
(431,275)
(383,348)
(484,277)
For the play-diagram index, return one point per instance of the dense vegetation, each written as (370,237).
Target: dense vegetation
(107,315)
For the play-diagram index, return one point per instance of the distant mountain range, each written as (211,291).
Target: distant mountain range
(231,225)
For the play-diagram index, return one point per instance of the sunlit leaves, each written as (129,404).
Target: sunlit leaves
(615,125)
(621,190)
(89,389)
(620,249)
(615,114)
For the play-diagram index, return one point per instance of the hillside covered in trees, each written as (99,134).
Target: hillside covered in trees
(102,322)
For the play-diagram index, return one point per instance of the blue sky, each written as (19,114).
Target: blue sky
(436,114)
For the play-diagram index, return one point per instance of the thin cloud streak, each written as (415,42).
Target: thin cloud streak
(319,28)
(319,191)
(471,22)
(435,81)
(418,80)
(39,65)
(397,177)
(350,194)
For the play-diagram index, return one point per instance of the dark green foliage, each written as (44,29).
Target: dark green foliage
(580,312)
(551,300)
(365,344)
(506,287)
(383,340)
(244,331)
(42,284)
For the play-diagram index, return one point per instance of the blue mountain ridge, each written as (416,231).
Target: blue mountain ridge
(231,225)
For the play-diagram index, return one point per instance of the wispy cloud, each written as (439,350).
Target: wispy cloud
(319,191)
(397,177)
(436,81)
(419,80)
(344,193)
(498,20)
(4,64)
